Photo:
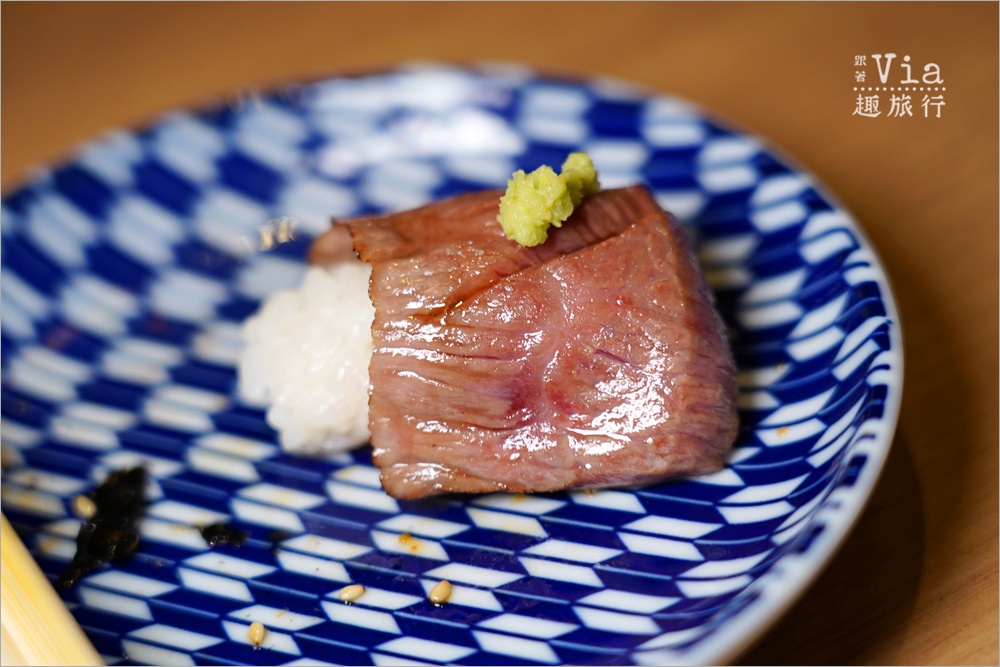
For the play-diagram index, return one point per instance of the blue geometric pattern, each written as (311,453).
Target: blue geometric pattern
(128,270)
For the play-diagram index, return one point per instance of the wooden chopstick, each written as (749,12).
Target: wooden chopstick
(37,628)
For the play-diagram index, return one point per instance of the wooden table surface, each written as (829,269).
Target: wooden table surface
(916,582)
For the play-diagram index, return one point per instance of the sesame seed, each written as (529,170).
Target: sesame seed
(257,632)
(351,593)
(440,593)
(84,508)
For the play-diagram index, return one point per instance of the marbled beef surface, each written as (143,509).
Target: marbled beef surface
(595,359)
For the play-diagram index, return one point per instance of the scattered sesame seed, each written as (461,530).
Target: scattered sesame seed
(84,508)
(440,593)
(257,632)
(351,593)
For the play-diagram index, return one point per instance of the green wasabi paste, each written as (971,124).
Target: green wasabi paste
(533,202)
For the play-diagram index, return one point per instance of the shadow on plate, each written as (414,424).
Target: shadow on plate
(851,614)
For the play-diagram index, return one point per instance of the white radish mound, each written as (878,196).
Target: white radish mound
(306,356)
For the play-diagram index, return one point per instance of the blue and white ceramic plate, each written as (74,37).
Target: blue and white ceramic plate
(128,269)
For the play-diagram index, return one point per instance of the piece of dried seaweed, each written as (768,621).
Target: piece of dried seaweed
(223,533)
(111,534)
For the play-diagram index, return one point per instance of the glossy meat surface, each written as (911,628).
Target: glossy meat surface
(595,359)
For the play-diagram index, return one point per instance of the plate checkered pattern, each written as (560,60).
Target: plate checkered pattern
(128,269)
